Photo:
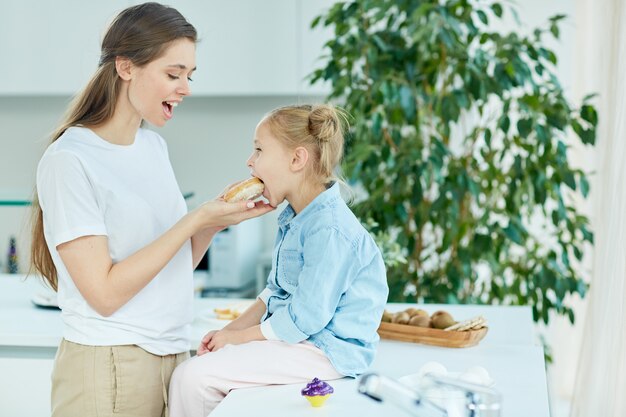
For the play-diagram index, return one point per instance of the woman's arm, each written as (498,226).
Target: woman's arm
(107,286)
(200,242)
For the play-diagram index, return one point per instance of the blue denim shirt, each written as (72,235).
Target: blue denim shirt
(327,284)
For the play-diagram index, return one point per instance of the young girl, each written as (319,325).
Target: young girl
(326,291)
(112,232)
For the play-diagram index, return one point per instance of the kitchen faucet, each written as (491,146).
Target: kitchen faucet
(476,400)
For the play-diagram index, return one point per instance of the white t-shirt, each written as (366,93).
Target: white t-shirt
(88,186)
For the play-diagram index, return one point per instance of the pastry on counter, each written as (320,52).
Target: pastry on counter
(317,392)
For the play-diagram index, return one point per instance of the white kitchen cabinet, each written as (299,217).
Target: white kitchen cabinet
(246,48)
(25,386)
(51,47)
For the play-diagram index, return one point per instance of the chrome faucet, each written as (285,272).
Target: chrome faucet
(478,400)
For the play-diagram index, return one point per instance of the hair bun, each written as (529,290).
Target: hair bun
(324,123)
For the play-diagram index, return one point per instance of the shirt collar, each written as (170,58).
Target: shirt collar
(326,198)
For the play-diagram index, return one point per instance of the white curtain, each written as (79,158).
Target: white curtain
(600,385)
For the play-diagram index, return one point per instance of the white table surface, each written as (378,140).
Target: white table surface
(508,352)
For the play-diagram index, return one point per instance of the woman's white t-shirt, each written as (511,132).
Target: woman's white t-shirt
(88,186)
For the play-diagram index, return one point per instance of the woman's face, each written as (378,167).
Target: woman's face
(158,87)
(270,162)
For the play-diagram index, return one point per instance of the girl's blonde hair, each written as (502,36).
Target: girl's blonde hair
(320,128)
(140,33)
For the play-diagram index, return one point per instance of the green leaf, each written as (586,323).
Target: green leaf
(589,97)
(524,127)
(512,232)
(497,9)
(570,315)
(542,135)
(587,136)
(588,113)
(407,101)
(504,124)
(557,17)
(377,121)
(578,253)
(554,29)
(488,138)
(587,235)
(380,43)
(483,17)
(568,178)
(449,109)
(461,99)
(316,21)
(584,185)
(548,54)
(481,243)
(582,288)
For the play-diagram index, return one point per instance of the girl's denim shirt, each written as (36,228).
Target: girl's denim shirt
(327,284)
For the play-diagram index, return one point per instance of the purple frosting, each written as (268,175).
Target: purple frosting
(317,387)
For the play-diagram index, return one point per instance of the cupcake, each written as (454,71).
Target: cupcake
(317,392)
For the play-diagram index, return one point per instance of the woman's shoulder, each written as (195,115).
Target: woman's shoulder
(76,139)
(66,148)
(60,162)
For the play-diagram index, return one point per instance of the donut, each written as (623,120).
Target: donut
(245,190)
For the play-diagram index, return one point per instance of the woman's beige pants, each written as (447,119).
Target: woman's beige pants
(111,381)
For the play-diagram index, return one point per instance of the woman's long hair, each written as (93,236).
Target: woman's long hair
(140,33)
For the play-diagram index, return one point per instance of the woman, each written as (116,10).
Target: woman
(112,232)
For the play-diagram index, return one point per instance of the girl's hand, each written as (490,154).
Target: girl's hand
(225,337)
(203,348)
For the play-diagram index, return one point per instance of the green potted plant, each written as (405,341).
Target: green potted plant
(459,147)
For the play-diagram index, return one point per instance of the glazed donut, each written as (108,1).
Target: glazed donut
(245,190)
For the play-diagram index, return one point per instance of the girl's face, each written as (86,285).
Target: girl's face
(270,162)
(158,87)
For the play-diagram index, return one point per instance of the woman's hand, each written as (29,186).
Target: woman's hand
(219,214)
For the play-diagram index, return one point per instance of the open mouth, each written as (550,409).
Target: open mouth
(168,108)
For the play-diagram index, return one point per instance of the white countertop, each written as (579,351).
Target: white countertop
(508,352)
(518,372)
(24,324)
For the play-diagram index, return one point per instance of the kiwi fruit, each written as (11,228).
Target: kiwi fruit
(416,312)
(411,311)
(442,319)
(420,321)
(401,317)
(386,317)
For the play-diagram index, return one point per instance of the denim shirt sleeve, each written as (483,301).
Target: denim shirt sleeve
(329,267)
